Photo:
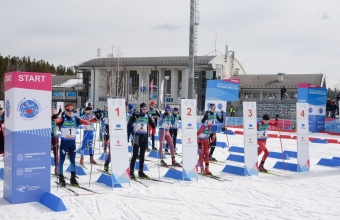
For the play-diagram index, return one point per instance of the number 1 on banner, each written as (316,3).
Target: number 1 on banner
(117,110)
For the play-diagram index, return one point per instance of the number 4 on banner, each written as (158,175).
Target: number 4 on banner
(303,113)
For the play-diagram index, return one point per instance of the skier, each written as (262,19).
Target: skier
(104,114)
(209,117)
(129,112)
(88,135)
(154,114)
(141,121)
(262,133)
(173,129)
(203,136)
(2,120)
(68,125)
(105,125)
(55,138)
(165,122)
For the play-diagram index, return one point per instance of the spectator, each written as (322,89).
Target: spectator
(328,107)
(283,91)
(232,111)
(338,97)
(333,109)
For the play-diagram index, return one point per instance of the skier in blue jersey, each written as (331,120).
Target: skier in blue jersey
(68,125)
(173,129)
(88,135)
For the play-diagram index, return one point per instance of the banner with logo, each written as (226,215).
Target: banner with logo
(250,138)
(302,136)
(189,138)
(223,90)
(316,98)
(27,136)
(118,141)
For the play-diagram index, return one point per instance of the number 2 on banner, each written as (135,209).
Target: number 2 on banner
(117,110)
(303,113)
(250,113)
(189,112)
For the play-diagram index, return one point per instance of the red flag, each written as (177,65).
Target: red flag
(151,85)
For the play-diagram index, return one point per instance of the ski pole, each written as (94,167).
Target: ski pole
(284,164)
(94,145)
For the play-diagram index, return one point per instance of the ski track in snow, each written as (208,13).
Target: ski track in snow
(312,195)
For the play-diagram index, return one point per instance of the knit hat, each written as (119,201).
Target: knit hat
(167,108)
(142,105)
(175,109)
(266,117)
(130,106)
(152,103)
(211,105)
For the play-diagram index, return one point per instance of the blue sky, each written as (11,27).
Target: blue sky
(267,36)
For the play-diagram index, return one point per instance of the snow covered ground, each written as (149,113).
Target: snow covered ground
(312,195)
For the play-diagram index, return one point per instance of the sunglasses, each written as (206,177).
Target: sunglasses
(68,110)
(144,109)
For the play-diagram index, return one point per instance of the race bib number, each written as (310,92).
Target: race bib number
(166,125)
(88,127)
(68,132)
(262,134)
(140,127)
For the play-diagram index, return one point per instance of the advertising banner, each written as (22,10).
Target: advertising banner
(223,90)
(302,133)
(118,140)
(250,138)
(316,97)
(189,138)
(27,165)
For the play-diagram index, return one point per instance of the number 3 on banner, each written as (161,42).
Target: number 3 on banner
(303,113)
(117,110)
(189,112)
(250,113)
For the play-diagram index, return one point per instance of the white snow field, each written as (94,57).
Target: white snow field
(311,195)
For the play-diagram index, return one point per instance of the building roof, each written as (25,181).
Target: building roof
(66,81)
(148,61)
(271,80)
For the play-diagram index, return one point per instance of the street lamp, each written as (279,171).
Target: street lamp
(166,85)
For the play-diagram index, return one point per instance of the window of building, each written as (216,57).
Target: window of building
(179,83)
(133,82)
(58,94)
(168,83)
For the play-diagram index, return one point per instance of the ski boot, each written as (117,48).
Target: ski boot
(203,171)
(142,175)
(166,151)
(211,158)
(163,163)
(73,180)
(207,169)
(261,168)
(174,163)
(62,180)
(132,174)
(92,160)
(106,166)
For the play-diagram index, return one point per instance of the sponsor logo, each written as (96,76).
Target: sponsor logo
(219,106)
(19,172)
(20,157)
(28,109)
(6,186)
(8,108)
(118,125)
(118,143)
(233,80)
(26,188)
(319,122)
(250,141)
(189,141)
(310,110)
(320,110)
(8,78)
